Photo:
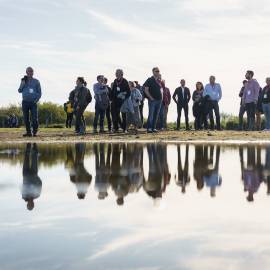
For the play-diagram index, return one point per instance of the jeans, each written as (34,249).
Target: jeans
(108,116)
(251,109)
(154,107)
(30,107)
(181,107)
(99,114)
(266,110)
(80,122)
(210,106)
(241,114)
(69,120)
(160,121)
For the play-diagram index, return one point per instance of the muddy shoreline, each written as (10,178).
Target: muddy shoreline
(171,136)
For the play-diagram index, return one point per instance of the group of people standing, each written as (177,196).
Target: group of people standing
(122,103)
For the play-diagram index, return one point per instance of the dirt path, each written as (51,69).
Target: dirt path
(63,135)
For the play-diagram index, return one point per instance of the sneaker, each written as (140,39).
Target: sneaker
(95,130)
(155,130)
(149,131)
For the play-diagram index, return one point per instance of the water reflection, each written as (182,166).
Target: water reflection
(78,175)
(32,184)
(123,169)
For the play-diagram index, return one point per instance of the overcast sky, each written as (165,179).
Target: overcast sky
(189,39)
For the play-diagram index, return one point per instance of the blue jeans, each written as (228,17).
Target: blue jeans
(27,108)
(160,122)
(99,114)
(154,107)
(266,110)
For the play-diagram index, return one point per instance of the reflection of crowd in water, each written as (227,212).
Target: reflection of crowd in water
(254,172)
(120,169)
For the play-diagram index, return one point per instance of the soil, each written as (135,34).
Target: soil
(65,135)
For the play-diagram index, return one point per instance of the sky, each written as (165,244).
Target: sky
(190,39)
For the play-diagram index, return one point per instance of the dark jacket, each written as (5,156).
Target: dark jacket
(181,100)
(120,91)
(266,95)
(80,97)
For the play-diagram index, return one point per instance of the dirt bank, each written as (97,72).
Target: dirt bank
(64,135)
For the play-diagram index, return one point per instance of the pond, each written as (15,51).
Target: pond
(134,206)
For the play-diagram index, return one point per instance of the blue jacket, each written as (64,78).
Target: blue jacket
(31,91)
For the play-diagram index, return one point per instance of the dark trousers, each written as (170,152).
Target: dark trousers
(80,122)
(181,107)
(251,109)
(242,111)
(212,105)
(69,120)
(108,116)
(198,115)
(30,108)
(117,121)
(141,112)
(99,114)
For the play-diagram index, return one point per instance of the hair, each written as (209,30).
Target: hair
(132,84)
(120,70)
(29,68)
(99,77)
(154,68)
(244,81)
(250,72)
(200,84)
(105,80)
(81,79)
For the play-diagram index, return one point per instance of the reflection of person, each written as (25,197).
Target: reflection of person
(183,173)
(211,176)
(102,180)
(159,175)
(78,174)
(252,173)
(199,165)
(119,176)
(133,164)
(266,170)
(32,184)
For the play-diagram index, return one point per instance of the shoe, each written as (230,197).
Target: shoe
(101,131)
(155,130)
(27,135)
(149,131)
(95,131)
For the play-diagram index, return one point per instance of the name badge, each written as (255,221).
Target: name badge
(265,96)
(249,92)
(31,91)
(118,89)
(161,89)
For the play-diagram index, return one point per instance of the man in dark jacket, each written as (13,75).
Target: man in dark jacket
(31,93)
(80,97)
(181,97)
(120,92)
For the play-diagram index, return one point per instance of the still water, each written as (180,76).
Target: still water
(134,206)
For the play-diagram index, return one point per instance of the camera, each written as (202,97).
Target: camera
(24,78)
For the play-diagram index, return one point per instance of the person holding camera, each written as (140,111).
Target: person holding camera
(31,94)
(102,103)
